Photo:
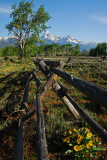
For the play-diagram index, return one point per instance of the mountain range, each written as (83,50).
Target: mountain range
(7,41)
(49,39)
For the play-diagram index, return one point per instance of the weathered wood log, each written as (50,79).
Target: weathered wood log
(52,63)
(42,152)
(25,98)
(42,66)
(44,69)
(68,104)
(60,90)
(68,64)
(93,91)
(51,77)
(18,155)
(63,88)
(99,130)
(28,115)
(38,83)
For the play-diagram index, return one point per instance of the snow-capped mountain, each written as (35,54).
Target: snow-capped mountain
(7,41)
(48,36)
(49,39)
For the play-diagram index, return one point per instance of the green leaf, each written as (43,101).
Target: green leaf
(92,154)
(69,151)
(99,148)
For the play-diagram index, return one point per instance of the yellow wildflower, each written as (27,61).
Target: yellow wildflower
(80,137)
(97,139)
(88,145)
(91,143)
(75,130)
(81,147)
(87,129)
(89,135)
(74,135)
(70,132)
(67,139)
(76,148)
(78,140)
(64,140)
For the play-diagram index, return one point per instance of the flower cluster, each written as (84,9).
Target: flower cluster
(81,142)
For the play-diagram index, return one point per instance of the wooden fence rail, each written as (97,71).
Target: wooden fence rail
(75,107)
(42,152)
(93,91)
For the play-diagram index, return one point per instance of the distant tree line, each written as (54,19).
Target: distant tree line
(100,50)
(44,50)
(60,50)
(9,51)
(54,50)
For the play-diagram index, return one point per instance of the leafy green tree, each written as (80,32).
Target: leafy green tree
(1,50)
(100,50)
(92,52)
(84,53)
(47,49)
(10,51)
(54,48)
(76,50)
(63,49)
(27,23)
(104,49)
(41,50)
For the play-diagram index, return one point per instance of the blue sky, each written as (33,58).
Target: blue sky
(85,20)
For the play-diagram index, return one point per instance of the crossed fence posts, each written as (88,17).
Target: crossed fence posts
(93,91)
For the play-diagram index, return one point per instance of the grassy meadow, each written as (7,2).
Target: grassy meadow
(13,78)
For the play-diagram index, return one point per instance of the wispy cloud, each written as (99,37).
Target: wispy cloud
(5,9)
(101,19)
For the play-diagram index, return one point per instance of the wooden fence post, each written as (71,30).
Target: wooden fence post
(99,130)
(42,152)
(19,142)
(58,87)
(65,100)
(18,155)
(93,91)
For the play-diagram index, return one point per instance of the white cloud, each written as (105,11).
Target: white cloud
(5,9)
(101,19)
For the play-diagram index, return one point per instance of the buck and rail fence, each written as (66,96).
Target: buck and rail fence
(52,69)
